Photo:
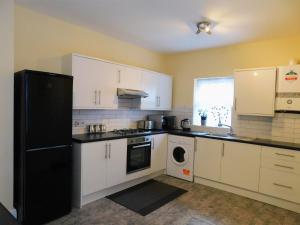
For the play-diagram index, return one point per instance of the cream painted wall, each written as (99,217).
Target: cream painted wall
(222,61)
(6,101)
(41,41)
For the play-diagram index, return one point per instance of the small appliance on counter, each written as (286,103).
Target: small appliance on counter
(145,124)
(185,124)
(158,121)
(96,128)
(170,122)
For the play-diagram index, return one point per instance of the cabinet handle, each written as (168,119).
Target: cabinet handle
(95,97)
(235,104)
(282,166)
(99,95)
(119,76)
(283,186)
(159,101)
(280,154)
(152,143)
(109,150)
(106,151)
(223,149)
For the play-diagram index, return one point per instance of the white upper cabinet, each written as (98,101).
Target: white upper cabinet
(255,91)
(165,92)
(94,84)
(129,78)
(159,88)
(149,85)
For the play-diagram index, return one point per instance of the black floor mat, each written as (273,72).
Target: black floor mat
(146,197)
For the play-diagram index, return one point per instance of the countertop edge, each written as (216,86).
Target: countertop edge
(267,143)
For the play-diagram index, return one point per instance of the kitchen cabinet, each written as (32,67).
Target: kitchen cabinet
(240,165)
(149,85)
(164,92)
(159,152)
(93,167)
(233,163)
(94,83)
(280,173)
(255,91)
(129,78)
(159,88)
(103,165)
(208,158)
(116,163)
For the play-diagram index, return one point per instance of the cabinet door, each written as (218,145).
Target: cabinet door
(208,157)
(95,83)
(149,84)
(93,161)
(159,152)
(129,78)
(240,165)
(107,85)
(85,73)
(164,94)
(255,92)
(116,162)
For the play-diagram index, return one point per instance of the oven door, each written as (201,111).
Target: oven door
(138,157)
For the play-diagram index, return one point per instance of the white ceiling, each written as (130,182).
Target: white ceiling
(169,25)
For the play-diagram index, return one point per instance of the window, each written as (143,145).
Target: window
(213,98)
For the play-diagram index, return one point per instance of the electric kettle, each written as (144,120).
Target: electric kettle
(185,124)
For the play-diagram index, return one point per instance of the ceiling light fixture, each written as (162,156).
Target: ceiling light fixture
(204,26)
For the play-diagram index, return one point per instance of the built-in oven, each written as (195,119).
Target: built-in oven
(138,153)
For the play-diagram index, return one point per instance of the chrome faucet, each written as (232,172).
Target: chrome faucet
(231,133)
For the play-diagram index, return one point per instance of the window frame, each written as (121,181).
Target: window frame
(195,101)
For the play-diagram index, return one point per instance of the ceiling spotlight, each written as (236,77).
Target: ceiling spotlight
(204,26)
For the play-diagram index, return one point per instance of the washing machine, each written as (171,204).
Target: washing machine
(180,161)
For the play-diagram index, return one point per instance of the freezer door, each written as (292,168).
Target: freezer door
(47,185)
(48,110)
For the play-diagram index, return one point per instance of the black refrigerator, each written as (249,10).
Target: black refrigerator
(42,146)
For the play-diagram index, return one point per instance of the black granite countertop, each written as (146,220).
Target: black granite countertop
(85,138)
(247,140)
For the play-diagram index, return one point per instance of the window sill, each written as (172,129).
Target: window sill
(217,130)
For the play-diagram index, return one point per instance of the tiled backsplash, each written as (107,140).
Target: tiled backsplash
(282,127)
(113,119)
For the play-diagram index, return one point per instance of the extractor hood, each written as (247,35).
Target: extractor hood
(129,93)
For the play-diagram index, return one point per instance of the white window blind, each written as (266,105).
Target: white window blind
(215,96)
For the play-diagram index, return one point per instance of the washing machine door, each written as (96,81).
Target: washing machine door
(180,156)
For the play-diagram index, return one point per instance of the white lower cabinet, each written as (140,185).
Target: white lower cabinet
(236,164)
(240,165)
(208,158)
(116,163)
(103,164)
(280,184)
(270,171)
(280,173)
(159,152)
(93,162)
